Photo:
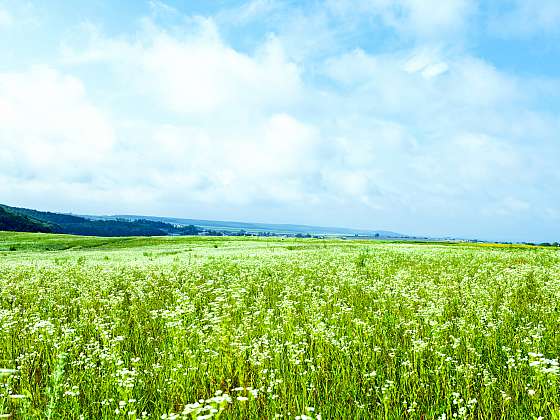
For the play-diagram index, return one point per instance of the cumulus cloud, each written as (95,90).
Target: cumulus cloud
(348,136)
(459,143)
(233,138)
(406,126)
(198,72)
(48,128)
(264,160)
(203,75)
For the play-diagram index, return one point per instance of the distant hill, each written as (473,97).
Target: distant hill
(259,228)
(20,223)
(27,220)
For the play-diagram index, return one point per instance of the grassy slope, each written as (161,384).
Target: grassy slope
(40,242)
(55,242)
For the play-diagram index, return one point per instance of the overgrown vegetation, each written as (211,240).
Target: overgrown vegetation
(177,328)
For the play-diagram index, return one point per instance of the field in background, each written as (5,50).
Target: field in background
(262,328)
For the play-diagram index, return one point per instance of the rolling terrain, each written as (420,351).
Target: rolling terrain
(28,220)
(275,229)
(18,222)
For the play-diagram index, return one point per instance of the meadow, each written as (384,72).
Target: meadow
(264,328)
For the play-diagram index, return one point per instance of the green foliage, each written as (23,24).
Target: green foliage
(27,220)
(10,221)
(121,328)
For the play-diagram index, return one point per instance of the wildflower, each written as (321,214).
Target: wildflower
(7,372)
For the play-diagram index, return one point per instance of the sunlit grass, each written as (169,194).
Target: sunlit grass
(246,328)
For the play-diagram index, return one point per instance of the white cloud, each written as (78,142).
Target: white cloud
(432,17)
(425,19)
(206,126)
(465,132)
(249,11)
(263,160)
(198,73)
(527,18)
(351,68)
(6,18)
(204,74)
(472,161)
(425,84)
(427,63)
(405,125)
(508,207)
(161,8)
(237,141)
(48,128)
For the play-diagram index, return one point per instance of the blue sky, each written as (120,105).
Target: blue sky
(418,116)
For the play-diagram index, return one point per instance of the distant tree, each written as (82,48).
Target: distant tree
(10,221)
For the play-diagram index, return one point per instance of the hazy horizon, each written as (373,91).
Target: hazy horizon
(268,222)
(418,117)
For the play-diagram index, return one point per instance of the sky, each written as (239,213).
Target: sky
(417,116)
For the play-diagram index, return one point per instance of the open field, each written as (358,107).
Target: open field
(127,328)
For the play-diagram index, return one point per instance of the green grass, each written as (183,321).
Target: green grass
(261,328)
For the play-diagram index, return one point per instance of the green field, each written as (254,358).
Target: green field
(255,328)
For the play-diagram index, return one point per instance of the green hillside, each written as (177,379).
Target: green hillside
(27,220)
(10,221)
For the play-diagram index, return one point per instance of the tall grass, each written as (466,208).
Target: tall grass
(251,330)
